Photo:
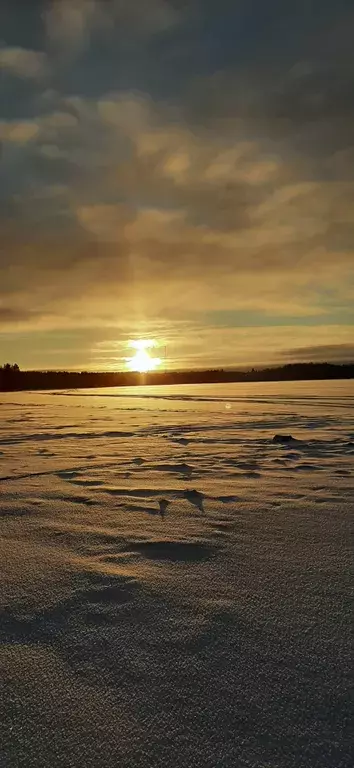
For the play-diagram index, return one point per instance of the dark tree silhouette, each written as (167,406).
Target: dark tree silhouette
(11,378)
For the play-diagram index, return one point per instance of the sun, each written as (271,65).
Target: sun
(142,362)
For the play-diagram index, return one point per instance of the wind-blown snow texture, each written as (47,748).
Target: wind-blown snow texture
(175,585)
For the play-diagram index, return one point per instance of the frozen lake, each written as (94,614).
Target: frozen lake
(175,585)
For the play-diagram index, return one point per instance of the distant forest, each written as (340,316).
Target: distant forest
(13,379)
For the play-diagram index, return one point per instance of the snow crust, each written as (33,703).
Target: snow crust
(175,583)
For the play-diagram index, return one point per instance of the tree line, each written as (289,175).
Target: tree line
(13,379)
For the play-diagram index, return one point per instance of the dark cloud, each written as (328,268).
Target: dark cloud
(9,315)
(335,353)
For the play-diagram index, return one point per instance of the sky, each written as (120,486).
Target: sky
(179,171)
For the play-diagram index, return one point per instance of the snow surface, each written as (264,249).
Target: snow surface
(175,586)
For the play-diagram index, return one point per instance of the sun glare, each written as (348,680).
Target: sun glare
(142,361)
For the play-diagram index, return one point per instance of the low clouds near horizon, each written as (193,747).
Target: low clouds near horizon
(184,172)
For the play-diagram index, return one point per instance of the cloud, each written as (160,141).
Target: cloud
(72,24)
(68,24)
(23,63)
(124,218)
(18,131)
(335,353)
(179,161)
(159,16)
(105,222)
(15,315)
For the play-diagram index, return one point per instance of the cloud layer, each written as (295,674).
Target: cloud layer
(158,170)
